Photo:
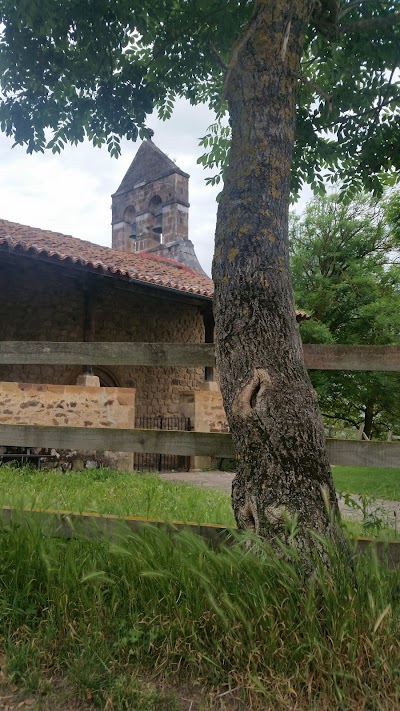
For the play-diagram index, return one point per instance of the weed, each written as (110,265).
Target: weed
(373,515)
(172,610)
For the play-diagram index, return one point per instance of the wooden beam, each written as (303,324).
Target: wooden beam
(118,440)
(89,320)
(356,453)
(71,524)
(93,526)
(344,452)
(209,325)
(76,353)
(356,358)
(362,358)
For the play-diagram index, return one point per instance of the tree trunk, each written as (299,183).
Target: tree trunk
(283,472)
(368,418)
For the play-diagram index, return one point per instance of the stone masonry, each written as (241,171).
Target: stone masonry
(72,405)
(153,191)
(41,301)
(206,411)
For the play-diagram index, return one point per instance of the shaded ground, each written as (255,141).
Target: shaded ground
(222,481)
(13,698)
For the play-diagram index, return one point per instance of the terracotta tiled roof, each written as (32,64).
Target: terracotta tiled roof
(147,268)
(142,267)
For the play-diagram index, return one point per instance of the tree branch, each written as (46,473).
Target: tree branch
(325,18)
(371,23)
(341,417)
(217,55)
(359,116)
(318,89)
(382,100)
(348,8)
(327,15)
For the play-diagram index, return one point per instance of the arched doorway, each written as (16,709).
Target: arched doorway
(106,377)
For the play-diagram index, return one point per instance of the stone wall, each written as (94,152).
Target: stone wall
(206,411)
(72,406)
(45,302)
(66,405)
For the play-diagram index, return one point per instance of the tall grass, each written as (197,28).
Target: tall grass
(170,608)
(107,491)
(113,492)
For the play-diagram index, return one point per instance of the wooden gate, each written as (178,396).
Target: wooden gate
(152,462)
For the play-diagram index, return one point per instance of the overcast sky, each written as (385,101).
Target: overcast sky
(71,192)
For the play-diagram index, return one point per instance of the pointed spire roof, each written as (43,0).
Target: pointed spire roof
(148,165)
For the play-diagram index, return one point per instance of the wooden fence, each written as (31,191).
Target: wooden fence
(383,358)
(344,452)
(93,526)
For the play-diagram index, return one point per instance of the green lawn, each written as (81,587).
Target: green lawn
(379,483)
(119,493)
(146,496)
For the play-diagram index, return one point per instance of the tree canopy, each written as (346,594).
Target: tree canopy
(97,69)
(311,87)
(345,272)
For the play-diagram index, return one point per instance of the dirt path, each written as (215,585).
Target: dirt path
(383,508)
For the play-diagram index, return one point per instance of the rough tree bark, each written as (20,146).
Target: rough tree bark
(272,409)
(368,418)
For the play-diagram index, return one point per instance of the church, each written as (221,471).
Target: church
(148,287)
(150,209)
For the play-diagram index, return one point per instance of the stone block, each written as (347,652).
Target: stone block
(87,380)
(70,405)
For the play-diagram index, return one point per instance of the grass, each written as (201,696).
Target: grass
(120,493)
(146,621)
(146,496)
(108,491)
(152,622)
(377,482)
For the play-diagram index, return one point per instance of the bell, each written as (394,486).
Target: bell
(133,234)
(158,226)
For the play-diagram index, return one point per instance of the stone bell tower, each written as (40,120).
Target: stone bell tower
(151,205)
(150,209)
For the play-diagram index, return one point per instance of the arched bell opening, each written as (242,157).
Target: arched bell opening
(156,224)
(130,219)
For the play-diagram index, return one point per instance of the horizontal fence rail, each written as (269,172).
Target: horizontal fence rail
(92,526)
(119,440)
(362,358)
(219,445)
(317,357)
(74,353)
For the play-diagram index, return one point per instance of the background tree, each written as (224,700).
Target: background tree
(344,272)
(290,71)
